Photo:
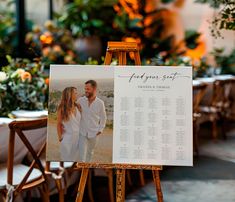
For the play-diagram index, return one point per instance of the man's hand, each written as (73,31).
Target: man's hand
(98,133)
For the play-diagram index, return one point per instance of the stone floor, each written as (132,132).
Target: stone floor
(211,179)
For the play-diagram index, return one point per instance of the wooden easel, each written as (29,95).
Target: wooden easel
(120,49)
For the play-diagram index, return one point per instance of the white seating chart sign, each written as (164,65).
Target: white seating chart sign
(153,116)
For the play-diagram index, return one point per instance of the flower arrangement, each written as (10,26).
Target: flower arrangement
(22,86)
(53,44)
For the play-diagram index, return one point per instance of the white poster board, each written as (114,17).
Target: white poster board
(139,115)
(153,116)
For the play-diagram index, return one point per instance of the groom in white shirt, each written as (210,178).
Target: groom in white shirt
(93,120)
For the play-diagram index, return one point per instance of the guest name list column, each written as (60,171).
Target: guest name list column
(153,115)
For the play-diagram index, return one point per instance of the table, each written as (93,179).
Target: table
(36,138)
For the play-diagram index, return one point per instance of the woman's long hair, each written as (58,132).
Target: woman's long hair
(66,105)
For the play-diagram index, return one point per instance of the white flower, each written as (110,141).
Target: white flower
(186,59)
(3,76)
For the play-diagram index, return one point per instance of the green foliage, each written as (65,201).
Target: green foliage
(8,40)
(191,38)
(200,67)
(91,61)
(23,88)
(159,60)
(87,17)
(7,32)
(225,19)
(167,1)
(212,3)
(226,62)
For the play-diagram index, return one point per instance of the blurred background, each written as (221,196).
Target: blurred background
(197,33)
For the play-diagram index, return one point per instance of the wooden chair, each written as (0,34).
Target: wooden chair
(226,113)
(198,93)
(16,178)
(219,105)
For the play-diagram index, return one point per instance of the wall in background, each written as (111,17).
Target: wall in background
(197,16)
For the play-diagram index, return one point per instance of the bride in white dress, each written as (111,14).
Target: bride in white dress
(68,124)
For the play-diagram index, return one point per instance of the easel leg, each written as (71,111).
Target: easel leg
(156,178)
(120,58)
(82,184)
(137,58)
(120,185)
(108,58)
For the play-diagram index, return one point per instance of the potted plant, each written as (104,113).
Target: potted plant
(89,21)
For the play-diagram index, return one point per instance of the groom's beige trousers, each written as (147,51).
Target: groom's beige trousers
(86,147)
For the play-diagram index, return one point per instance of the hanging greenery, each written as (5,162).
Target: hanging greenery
(225,19)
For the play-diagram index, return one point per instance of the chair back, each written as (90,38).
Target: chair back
(198,93)
(221,93)
(18,128)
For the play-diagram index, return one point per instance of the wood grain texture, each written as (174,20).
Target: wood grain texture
(117,166)
(156,178)
(120,185)
(82,184)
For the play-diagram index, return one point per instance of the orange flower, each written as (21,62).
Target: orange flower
(57,48)
(46,38)
(26,76)
(46,51)
(71,53)
(116,8)
(47,81)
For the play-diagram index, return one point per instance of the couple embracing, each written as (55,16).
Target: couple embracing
(80,119)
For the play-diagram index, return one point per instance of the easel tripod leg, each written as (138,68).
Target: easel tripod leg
(156,178)
(82,184)
(120,185)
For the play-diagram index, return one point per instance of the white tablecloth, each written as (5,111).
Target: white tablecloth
(35,137)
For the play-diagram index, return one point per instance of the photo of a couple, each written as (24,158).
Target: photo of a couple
(80,115)
(80,121)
